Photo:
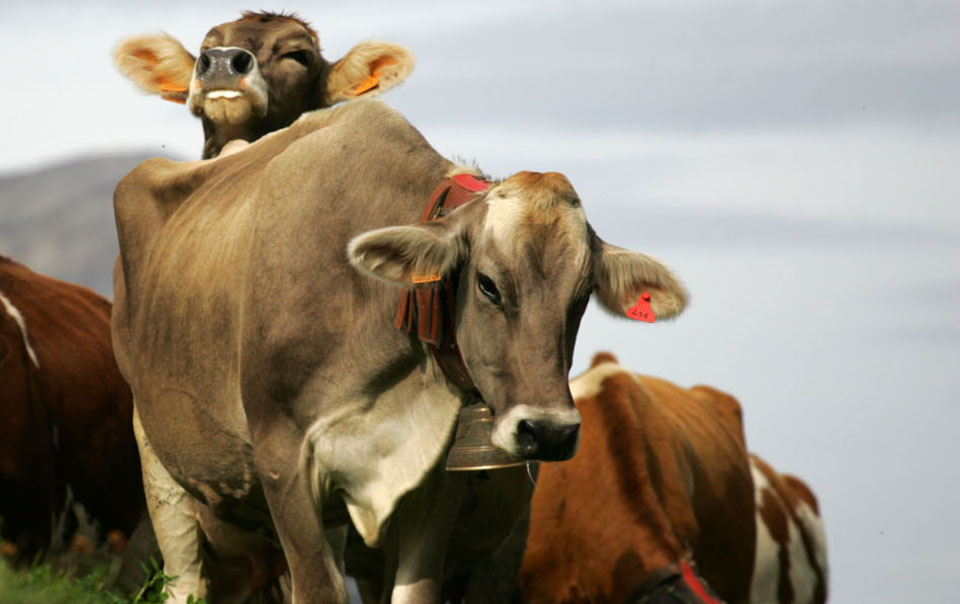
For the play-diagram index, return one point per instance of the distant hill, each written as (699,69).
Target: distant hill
(58,220)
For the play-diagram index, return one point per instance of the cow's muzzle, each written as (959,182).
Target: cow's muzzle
(536,433)
(224,65)
(227,86)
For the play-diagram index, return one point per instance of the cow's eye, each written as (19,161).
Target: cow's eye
(488,288)
(300,56)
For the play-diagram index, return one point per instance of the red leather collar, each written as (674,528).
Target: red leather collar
(429,310)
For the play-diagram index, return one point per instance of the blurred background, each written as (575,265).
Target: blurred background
(796,164)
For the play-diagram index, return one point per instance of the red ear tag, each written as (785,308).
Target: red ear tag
(471,182)
(641,311)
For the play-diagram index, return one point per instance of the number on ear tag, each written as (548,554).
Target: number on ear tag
(641,311)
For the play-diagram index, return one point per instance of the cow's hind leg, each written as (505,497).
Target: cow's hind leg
(174,515)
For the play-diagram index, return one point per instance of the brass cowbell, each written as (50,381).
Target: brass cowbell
(472,448)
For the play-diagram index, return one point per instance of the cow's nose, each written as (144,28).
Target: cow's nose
(547,441)
(225,61)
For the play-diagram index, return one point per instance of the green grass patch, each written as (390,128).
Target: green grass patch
(43,585)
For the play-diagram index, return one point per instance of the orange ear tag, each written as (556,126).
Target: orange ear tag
(641,311)
(168,87)
(425,278)
(173,93)
(371,82)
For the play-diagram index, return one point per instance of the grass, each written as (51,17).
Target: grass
(43,585)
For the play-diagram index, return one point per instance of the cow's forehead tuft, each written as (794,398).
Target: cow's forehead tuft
(270,17)
(534,205)
(544,190)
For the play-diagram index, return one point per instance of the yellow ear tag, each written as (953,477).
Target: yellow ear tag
(425,278)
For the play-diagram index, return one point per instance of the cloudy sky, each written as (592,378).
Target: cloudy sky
(795,163)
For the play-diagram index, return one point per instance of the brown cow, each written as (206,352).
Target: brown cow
(258,74)
(660,481)
(67,414)
(254,317)
(791,561)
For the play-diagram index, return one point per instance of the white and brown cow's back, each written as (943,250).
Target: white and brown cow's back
(791,561)
(660,480)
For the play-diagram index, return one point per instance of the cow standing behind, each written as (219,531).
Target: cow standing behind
(791,562)
(65,433)
(662,480)
(272,390)
(257,74)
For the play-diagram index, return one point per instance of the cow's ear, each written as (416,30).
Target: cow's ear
(624,277)
(408,255)
(367,70)
(158,64)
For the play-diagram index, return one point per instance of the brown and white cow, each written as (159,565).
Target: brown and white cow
(791,561)
(258,74)
(662,480)
(65,432)
(659,486)
(255,300)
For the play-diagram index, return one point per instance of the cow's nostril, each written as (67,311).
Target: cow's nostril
(242,62)
(526,438)
(203,64)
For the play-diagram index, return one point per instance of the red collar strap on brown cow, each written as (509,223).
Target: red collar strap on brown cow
(429,310)
(696,585)
(674,584)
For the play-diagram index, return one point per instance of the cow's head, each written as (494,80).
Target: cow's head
(528,262)
(257,74)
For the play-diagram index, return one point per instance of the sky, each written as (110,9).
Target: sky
(796,164)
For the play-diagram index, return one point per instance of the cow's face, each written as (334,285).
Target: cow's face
(528,263)
(257,74)
(251,69)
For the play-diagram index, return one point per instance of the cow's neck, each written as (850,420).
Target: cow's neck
(218,135)
(428,312)
(401,435)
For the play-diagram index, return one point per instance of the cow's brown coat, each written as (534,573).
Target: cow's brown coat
(66,419)
(661,474)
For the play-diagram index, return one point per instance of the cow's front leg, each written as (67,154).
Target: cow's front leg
(173,513)
(296,515)
(418,537)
